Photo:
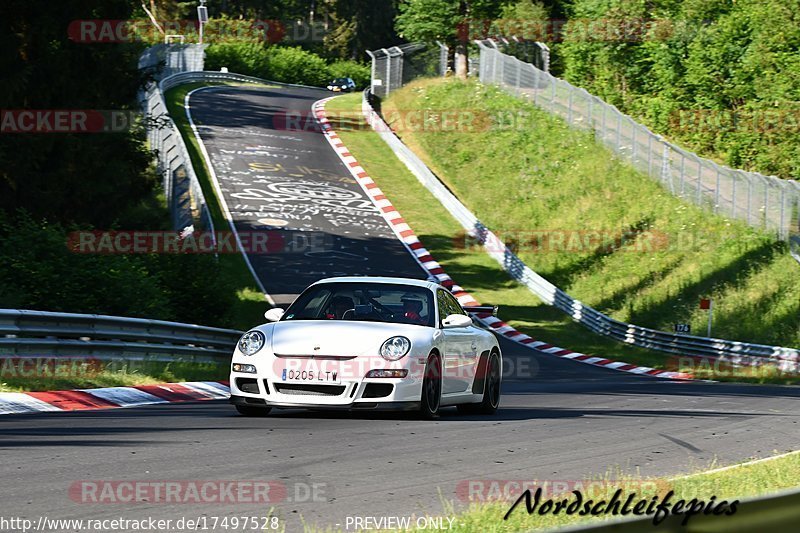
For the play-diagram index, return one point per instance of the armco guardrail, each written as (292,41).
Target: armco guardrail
(181,187)
(740,353)
(39,333)
(765,202)
(185,198)
(779,512)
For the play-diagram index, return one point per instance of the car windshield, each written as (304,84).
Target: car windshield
(339,81)
(370,302)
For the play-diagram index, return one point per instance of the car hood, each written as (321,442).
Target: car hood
(336,338)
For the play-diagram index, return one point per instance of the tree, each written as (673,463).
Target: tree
(359,25)
(86,177)
(449,21)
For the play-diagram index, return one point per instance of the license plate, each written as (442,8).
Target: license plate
(311,375)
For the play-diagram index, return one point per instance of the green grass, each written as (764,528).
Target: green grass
(472,268)
(111,374)
(545,176)
(251,302)
(736,483)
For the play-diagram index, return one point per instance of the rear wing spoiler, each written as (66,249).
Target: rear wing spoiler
(481,309)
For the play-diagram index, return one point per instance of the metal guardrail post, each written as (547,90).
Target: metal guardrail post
(388,71)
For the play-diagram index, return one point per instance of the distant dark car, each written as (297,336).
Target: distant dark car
(345,85)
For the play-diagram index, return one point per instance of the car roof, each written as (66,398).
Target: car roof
(377,279)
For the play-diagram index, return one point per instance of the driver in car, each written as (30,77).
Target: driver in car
(412,307)
(339,306)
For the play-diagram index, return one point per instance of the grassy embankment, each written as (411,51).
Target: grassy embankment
(547,177)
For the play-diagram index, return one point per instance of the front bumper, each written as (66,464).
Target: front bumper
(365,405)
(353,388)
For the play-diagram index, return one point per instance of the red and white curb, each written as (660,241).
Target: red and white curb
(111,397)
(407,236)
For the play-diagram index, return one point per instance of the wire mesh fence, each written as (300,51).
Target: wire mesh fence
(173,58)
(396,66)
(765,202)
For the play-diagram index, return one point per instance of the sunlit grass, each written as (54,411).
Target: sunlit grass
(16,377)
(545,177)
(737,483)
(477,272)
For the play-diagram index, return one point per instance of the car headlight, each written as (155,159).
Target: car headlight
(395,348)
(251,342)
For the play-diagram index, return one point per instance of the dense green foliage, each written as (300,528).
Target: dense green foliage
(448,22)
(334,29)
(721,76)
(69,176)
(39,271)
(55,181)
(284,64)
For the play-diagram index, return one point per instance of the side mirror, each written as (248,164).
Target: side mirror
(275,314)
(456,321)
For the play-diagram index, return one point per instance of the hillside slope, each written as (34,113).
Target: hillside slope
(564,200)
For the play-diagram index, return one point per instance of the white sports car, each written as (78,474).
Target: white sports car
(368,343)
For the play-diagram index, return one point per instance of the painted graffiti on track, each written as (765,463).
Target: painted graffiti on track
(296,185)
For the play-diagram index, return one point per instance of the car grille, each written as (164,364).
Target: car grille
(309,390)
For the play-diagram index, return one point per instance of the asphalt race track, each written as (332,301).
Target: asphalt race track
(278,174)
(559,420)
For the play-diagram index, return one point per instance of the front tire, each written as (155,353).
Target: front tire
(246,410)
(431,398)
